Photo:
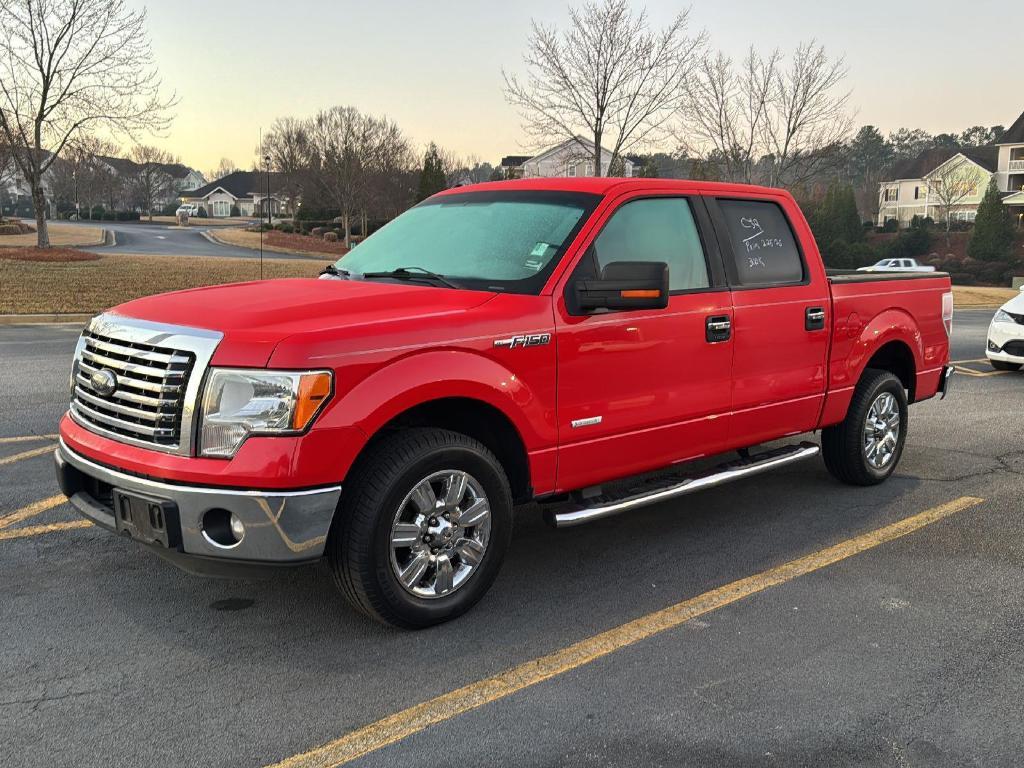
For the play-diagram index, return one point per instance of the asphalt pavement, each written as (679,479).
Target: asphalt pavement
(171,240)
(903,651)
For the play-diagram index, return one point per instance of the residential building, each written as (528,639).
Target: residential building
(913,190)
(244,192)
(1010,171)
(573,157)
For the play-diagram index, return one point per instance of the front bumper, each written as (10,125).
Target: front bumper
(281,527)
(1005,342)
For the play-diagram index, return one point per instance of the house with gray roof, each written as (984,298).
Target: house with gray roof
(913,189)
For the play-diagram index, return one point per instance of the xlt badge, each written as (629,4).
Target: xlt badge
(524,340)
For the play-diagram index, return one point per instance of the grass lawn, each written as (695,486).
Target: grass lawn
(967,297)
(60,234)
(91,286)
(280,242)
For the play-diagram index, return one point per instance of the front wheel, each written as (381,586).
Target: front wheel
(1002,365)
(866,446)
(422,529)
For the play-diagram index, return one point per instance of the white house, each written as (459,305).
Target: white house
(573,157)
(1010,170)
(913,190)
(244,191)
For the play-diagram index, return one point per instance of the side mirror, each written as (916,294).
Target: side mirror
(626,285)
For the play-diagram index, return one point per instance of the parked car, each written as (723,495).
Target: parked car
(1005,347)
(897,265)
(571,342)
(187,209)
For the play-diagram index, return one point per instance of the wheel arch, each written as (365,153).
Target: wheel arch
(476,419)
(463,392)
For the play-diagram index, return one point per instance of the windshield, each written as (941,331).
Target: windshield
(503,240)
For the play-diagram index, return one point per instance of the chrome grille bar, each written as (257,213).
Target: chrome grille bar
(156,370)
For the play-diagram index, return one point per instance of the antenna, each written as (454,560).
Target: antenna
(261,216)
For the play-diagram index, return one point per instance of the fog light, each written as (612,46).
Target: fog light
(222,529)
(992,346)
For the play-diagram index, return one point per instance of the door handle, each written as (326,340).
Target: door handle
(717,328)
(814,318)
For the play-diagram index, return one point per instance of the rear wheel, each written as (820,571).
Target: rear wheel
(866,447)
(1002,365)
(423,526)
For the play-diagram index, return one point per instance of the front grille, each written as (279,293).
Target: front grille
(1015,348)
(148,402)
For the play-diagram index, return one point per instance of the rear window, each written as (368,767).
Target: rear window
(764,248)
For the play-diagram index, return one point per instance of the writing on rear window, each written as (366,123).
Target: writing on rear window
(764,249)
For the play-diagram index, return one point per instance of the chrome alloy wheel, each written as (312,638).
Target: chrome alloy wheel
(882,431)
(439,534)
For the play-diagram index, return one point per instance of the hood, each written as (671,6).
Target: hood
(1015,305)
(255,317)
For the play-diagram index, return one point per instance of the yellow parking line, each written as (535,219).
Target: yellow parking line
(401,725)
(33,509)
(963,362)
(26,438)
(37,530)
(26,455)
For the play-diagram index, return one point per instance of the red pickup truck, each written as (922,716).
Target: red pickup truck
(572,342)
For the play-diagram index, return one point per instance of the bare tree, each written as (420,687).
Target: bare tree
(225,167)
(765,121)
(289,148)
(8,172)
(949,185)
(151,183)
(808,117)
(607,77)
(337,139)
(724,112)
(67,67)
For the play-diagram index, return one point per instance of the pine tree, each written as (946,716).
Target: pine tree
(432,177)
(992,238)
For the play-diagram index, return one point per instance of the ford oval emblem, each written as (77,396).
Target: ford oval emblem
(103,382)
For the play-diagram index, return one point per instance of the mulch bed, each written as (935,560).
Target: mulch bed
(303,242)
(46,254)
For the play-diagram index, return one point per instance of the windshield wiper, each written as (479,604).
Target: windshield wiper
(412,273)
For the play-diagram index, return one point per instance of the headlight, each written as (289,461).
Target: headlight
(1003,317)
(238,403)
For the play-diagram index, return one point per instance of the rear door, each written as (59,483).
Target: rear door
(641,389)
(780,317)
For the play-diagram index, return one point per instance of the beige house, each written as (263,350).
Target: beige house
(242,193)
(572,158)
(915,189)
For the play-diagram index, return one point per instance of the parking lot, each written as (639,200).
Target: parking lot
(784,620)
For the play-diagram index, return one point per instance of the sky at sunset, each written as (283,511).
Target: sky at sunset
(435,67)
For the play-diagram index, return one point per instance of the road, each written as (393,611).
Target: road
(164,239)
(890,649)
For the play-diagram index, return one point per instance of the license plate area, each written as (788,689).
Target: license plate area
(147,519)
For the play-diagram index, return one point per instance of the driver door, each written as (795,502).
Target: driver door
(642,389)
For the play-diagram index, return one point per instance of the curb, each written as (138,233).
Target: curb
(47,318)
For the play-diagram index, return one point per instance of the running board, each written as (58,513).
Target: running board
(603,506)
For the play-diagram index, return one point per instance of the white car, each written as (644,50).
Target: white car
(188,209)
(897,265)
(1005,347)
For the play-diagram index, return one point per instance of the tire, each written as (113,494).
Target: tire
(1002,365)
(844,446)
(388,494)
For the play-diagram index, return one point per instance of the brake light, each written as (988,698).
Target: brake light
(947,312)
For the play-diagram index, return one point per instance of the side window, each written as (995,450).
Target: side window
(655,229)
(764,247)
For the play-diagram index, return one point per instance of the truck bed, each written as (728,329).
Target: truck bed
(853,276)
